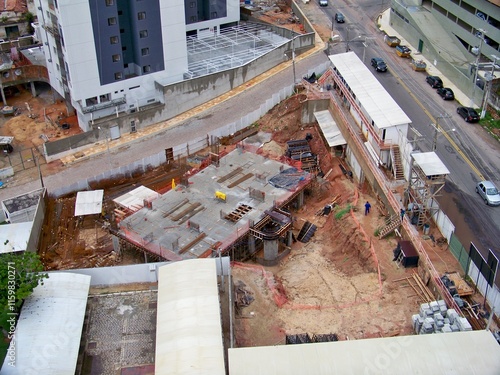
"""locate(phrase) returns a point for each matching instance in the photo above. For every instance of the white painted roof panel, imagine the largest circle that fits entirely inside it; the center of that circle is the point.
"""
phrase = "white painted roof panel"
(329, 127)
(49, 329)
(430, 163)
(15, 237)
(134, 199)
(188, 324)
(89, 202)
(458, 353)
(374, 99)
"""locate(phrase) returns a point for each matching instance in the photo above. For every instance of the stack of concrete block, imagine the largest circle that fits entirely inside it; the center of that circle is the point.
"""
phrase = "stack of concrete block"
(463, 324)
(434, 317)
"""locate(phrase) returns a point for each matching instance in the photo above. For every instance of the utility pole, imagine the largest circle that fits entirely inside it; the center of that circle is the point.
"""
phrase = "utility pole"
(489, 83)
(437, 130)
(481, 39)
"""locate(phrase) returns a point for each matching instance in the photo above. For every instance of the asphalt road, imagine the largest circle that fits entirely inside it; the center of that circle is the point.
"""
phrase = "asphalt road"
(468, 152)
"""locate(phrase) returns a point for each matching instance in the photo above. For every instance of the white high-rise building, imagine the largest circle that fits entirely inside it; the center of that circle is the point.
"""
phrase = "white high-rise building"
(106, 57)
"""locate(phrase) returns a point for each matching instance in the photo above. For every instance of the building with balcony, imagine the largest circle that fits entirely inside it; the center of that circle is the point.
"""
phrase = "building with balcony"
(456, 36)
(123, 65)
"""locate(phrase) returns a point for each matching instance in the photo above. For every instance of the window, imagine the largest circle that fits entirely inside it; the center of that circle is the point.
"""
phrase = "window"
(118, 76)
(146, 68)
(193, 18)
(143, 34)
(132, 126)
(120, 12)
(145, 51)
(122, 31)
(111, 21)
(141, 16)
(116, 58)
(110, 3)
(91, 101)
(124, 48)
(113, 40)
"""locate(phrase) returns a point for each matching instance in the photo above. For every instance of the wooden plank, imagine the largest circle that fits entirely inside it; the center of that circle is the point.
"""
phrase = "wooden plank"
(186, 211)
(201, 236)
(229, 175)
(240, 180)
(463, 289)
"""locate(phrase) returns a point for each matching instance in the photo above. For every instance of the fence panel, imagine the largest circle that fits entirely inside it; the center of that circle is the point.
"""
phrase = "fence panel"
(459, 251)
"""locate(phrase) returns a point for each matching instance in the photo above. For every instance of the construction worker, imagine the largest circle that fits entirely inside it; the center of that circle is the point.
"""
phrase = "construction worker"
(367, 208)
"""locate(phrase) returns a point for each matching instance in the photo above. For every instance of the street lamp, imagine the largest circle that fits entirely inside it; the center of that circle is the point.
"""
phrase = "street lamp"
(438, 130)
(489, 82)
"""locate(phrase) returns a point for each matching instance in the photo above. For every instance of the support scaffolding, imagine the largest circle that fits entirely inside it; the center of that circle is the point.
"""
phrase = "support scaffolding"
(427, 179)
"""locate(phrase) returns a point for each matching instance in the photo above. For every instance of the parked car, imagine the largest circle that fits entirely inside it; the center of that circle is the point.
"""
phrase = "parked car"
(446, 93)
(434, 81)
(339, 17)
(379, 64)
(489, 192)
(469, 114)
(323, 3)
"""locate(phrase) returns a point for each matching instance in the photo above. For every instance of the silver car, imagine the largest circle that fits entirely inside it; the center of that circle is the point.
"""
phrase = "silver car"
(489, 192)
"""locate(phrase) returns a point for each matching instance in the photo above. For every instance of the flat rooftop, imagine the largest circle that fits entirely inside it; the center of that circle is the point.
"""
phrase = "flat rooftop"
(190, 222)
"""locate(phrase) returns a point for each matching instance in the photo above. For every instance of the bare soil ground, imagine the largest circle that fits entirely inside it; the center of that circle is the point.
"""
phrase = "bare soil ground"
(331, 284)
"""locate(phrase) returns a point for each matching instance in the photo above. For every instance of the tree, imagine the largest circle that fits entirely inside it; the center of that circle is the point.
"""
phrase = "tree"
(29, 18)
(19, 275)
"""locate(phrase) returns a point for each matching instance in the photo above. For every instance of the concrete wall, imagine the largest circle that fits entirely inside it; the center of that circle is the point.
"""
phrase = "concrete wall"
(311, 106)
(135, 273)
(178, 98)
(36, 228)
(185, 95)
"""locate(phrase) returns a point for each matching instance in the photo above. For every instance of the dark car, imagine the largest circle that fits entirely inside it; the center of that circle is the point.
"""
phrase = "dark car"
(339, 17)
(434, 81)
(379, 64)
(469, 114)
(446, 93)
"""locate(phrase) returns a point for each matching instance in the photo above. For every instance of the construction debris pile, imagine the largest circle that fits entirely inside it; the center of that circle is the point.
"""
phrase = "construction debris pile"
(300, 151)
(435, 317)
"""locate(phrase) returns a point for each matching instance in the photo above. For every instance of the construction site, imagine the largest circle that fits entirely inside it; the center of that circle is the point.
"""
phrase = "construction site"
(307, 260)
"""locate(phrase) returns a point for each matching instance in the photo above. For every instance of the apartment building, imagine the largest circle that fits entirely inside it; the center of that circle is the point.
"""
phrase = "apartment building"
(456, 36)
(109, 57)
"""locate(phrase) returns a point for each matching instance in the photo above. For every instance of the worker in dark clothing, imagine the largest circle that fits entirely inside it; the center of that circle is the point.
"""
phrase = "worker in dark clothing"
(367, 208)
(402, 213)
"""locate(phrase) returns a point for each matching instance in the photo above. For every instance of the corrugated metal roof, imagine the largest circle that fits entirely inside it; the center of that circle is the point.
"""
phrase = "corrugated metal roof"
(377, 102)
(329, 128)
(474, 352)
(89, 202)
(15, 237)
(430, 163)
(50, 326)
(188, 323)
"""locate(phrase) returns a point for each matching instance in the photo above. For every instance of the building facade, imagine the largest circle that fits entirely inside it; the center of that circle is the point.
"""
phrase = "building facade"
(455, 36)
(106, 57)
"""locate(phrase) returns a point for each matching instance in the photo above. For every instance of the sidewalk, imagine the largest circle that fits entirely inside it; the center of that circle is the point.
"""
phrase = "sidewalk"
(384, 25)
(101, 147)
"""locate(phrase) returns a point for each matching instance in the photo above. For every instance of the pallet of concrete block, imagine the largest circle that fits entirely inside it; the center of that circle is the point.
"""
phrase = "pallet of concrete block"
(435, 317)
(463, 324)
